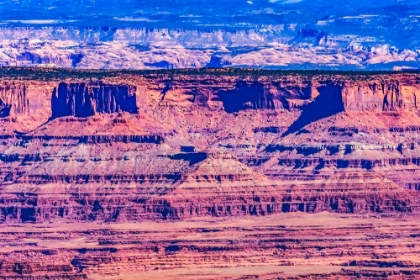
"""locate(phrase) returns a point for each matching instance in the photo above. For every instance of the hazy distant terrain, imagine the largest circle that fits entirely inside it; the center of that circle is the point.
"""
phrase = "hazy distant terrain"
(184, 33)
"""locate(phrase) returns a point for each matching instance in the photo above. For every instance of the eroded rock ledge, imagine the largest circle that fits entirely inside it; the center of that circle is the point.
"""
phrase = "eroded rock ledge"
(150, 146)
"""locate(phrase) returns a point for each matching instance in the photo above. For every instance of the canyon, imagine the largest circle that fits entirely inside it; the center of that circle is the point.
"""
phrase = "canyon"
(280, 46)
(209, 173)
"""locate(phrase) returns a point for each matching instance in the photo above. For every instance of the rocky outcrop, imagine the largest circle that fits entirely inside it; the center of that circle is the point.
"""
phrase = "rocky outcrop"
(232, 92)
(380, 96)
(13, 100)
(83, 100)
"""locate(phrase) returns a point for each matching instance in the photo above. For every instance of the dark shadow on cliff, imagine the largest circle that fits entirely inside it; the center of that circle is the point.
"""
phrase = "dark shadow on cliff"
(328, 102)
(4, 109)
(246, 96)
(84, 100)
(168, 87)
(192, 158)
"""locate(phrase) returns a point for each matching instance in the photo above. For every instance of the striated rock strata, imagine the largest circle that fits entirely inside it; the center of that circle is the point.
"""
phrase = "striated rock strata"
(177, 147)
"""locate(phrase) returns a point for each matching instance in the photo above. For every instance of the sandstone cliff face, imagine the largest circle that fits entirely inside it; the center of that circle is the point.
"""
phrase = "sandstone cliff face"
(82, 100)
(135, 147)
(233, 94)
(377, 93)
(381, 96)
(13, 100)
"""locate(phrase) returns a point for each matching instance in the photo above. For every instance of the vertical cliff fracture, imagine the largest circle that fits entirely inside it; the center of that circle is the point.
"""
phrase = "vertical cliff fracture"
(83, 100)
(13, 100)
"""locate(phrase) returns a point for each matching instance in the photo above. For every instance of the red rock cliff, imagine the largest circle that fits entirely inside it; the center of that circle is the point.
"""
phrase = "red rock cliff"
(300, 143)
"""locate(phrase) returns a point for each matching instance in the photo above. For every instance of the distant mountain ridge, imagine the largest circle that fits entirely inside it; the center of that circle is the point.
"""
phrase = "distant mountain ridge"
(300, 34)
(146, 48)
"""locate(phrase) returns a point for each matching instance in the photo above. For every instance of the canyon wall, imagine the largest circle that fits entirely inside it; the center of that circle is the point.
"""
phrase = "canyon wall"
(299, 143)
(284, 46)
(13, 100)
(217, 169)
(81, 100)
(349, 93)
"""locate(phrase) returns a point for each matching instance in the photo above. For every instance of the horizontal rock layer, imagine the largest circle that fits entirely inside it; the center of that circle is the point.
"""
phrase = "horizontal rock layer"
(285, 246)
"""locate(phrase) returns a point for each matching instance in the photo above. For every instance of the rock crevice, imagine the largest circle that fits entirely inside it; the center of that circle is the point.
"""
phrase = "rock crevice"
(83, 100)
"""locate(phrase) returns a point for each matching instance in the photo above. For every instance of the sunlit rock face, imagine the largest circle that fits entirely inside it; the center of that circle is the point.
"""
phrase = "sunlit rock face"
(206, 142)
(116, 173)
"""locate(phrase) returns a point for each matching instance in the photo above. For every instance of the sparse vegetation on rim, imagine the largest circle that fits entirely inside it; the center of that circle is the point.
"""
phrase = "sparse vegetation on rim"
(44, 73)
